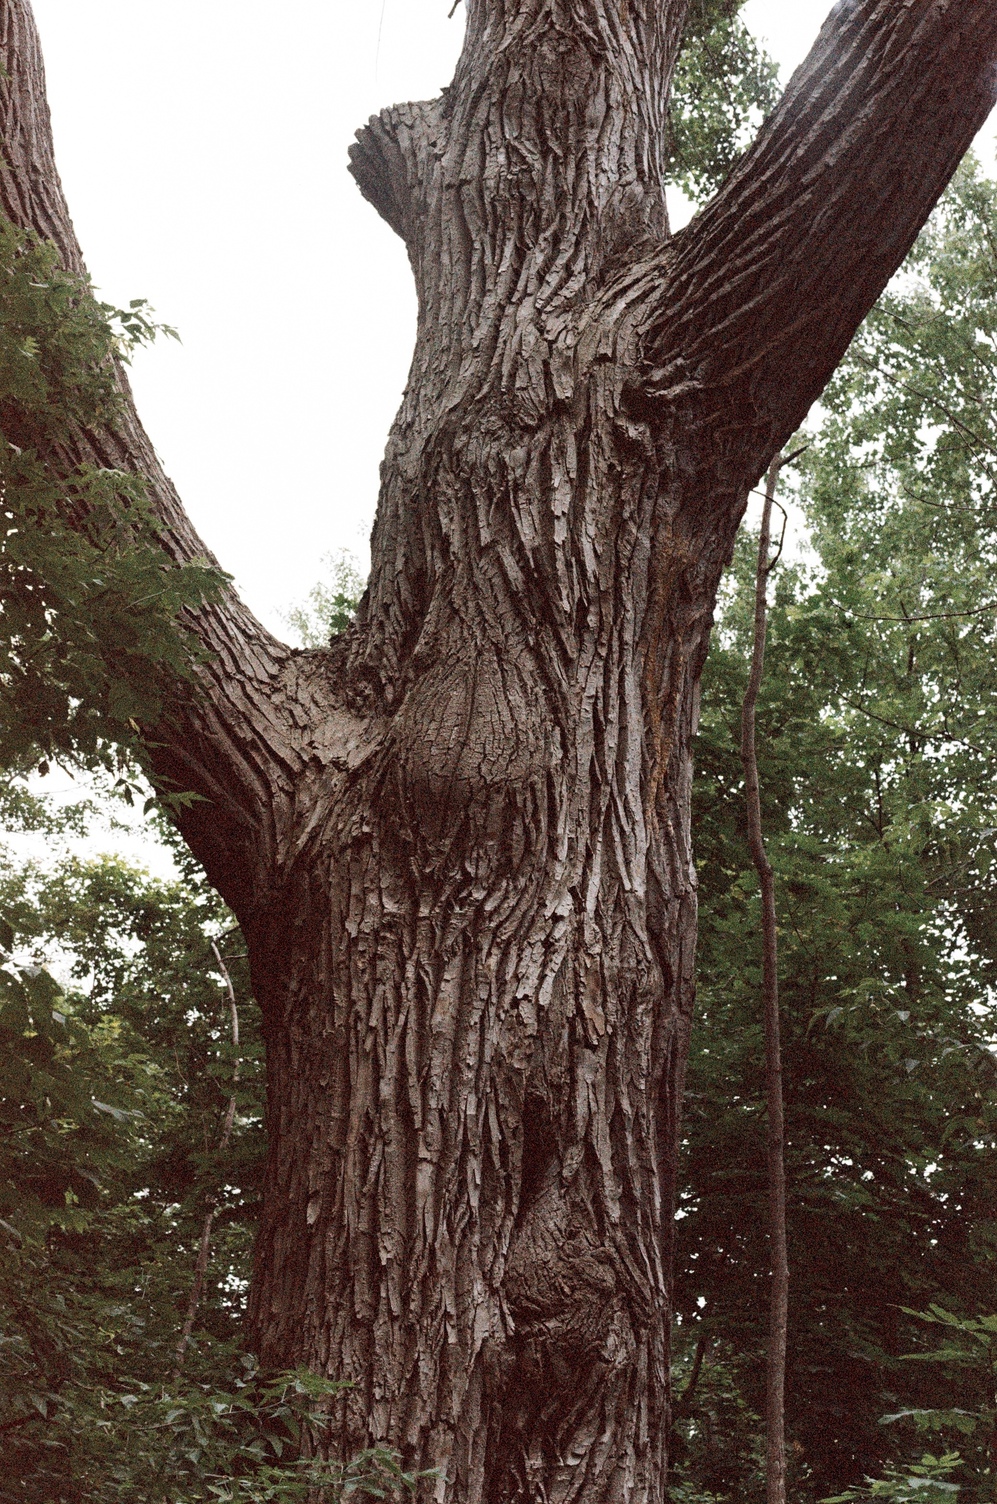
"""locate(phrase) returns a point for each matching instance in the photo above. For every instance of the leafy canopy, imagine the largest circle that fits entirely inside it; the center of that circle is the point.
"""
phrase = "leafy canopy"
(91, 630)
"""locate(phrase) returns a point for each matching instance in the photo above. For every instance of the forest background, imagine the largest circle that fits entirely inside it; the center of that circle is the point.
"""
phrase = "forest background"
(120, 1074)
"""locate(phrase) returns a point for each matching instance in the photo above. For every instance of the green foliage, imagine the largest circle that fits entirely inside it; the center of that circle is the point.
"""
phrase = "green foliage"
(113, 1083)
(47, 1067)
(57, 339)
(90, 605)
(878, 749)
(717, 1447)
(258, 1441)
(968, 1357)
(924, 1482)
(724, 86)
(331, 604)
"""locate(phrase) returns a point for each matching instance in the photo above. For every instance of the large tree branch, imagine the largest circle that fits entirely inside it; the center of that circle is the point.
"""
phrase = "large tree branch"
(232, 737)
(391, 161)
(769, 283)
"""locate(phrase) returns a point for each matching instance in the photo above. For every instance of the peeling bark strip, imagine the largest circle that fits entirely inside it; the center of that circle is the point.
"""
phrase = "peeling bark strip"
(458, 840)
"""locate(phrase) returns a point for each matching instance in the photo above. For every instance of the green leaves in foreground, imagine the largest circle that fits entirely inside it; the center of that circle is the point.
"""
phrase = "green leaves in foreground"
(53, 1130)
(260, 1441)
(924, 1482)
(113, 1084)
(969, 1347)
(90, 604)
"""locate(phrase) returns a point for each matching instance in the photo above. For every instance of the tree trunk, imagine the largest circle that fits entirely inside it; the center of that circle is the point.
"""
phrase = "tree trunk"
(775, 1387)
(458, 840)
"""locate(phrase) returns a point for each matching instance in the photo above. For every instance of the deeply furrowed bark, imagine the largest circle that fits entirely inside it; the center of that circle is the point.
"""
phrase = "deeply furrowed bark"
(458, 841)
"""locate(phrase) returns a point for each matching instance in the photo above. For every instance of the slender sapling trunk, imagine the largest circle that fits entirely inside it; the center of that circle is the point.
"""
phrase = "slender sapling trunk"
(779, 1306)
(204, 1248)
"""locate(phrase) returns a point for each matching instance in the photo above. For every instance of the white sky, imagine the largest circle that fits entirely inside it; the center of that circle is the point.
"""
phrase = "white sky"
(202, 144)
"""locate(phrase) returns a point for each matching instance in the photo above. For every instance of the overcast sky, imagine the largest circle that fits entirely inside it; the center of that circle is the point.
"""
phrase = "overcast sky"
(202, 144)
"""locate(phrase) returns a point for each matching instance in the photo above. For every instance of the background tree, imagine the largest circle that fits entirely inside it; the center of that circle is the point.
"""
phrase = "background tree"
(458, 841)
(878, 749)
(724, 86)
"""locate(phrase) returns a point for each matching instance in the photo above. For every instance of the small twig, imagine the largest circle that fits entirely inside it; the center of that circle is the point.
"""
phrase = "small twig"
(684, 1400)
(782, 463)
(790, 458)
(930, 616)
(770, 501)
(782, 541)
(204, 1250)
(938, 734)
(779, 1307)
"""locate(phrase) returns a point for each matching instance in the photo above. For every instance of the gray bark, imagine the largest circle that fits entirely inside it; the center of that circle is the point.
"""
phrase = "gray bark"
(458, 840)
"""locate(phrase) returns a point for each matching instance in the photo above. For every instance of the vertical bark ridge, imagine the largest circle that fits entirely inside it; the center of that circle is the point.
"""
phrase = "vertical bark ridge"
(544, 162)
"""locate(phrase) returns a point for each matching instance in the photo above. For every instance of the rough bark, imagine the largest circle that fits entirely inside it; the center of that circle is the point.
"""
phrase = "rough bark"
(458, 841)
